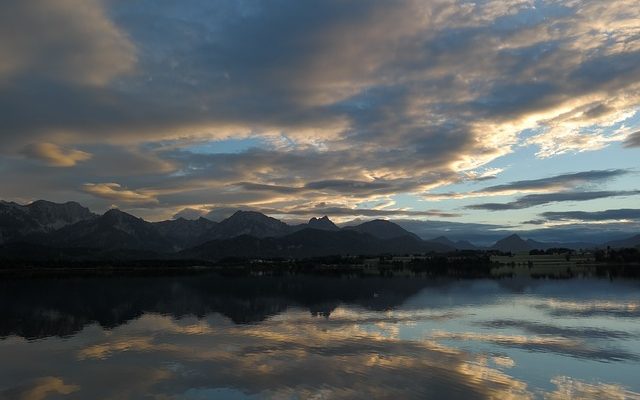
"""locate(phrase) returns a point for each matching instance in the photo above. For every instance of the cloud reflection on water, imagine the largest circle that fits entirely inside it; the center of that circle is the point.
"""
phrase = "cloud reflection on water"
(287, 357)
(589, 308)
(461, 340)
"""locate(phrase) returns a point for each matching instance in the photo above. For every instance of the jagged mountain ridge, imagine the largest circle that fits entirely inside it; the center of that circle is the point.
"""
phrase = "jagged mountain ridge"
(116, 230)
(17, 221)
(323, 223)
(113, 230)
(183, 233)
(70, 225)
(252, 223)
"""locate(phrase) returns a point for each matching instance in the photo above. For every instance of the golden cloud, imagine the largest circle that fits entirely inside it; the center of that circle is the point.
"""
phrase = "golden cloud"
(113, 191)
(54, 155)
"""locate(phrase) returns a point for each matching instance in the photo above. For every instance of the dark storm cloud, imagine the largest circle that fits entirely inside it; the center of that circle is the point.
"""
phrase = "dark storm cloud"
(537, 328)
(557, 181)
(633, 140)
(557, 185)
(593, 216)
(342, 186)
(532, 200)
(605, 71)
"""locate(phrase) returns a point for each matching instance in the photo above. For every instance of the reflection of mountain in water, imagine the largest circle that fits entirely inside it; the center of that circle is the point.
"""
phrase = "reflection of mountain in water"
(39, 308)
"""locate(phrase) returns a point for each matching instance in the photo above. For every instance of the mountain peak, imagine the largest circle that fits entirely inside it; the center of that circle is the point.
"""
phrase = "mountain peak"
(39, 203)
(51, 204)
(114, 211)
(117, 214)
(323, 223)
(253, 223)
(512, 242)
(53, 216)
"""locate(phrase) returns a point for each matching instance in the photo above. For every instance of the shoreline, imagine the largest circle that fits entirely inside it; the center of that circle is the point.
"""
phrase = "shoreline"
(470, 271)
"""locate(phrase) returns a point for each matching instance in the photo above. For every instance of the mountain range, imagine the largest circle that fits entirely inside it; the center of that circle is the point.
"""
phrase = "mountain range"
(17, 221)
(69, 229)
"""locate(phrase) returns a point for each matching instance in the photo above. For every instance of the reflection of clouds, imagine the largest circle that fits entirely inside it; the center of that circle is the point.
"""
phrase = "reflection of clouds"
(547, 343)
(590, 307)
(479, 372)
(282, 358)
(504, 339)
(139, 343)
(40, 389)
(187, 326)
(343, 315)
(547, 329)
(101, 351)
(504, 361)
(293, 355)
(568, 389)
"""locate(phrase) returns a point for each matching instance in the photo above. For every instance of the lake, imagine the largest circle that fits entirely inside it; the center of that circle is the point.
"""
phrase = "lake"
(208, 336)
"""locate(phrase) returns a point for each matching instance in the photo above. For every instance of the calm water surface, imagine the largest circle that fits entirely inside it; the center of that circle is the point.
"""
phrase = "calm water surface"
(306, 337)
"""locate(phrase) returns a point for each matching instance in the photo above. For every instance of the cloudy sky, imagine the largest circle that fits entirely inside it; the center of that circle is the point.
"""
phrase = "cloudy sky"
(515, 112)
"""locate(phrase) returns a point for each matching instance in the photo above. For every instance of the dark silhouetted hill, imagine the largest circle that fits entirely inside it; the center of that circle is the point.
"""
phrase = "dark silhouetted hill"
(381, 229)
(251, 223)
(184, 233)
(310, 243)
(459, 245)
(633, 241)
(512, 243)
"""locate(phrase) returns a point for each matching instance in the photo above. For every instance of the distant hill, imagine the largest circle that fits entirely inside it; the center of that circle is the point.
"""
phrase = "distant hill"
(459, 245)
(515, 243)
(482, 234)
(310, 243)
(444, 240)
(556, 245)
(466, 245)
(512, 243)
(633, 241)
(184, 233)
(382, 229)
(251, 223)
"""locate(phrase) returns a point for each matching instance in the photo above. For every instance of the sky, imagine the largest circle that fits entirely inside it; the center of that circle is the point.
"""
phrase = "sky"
(518, 113)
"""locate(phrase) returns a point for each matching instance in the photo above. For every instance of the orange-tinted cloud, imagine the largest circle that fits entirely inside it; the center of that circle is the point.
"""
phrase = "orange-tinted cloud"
(54, 155)
(115, 192)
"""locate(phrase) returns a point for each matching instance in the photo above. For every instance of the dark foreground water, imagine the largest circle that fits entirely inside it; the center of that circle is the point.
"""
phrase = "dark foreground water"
(310, 337)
